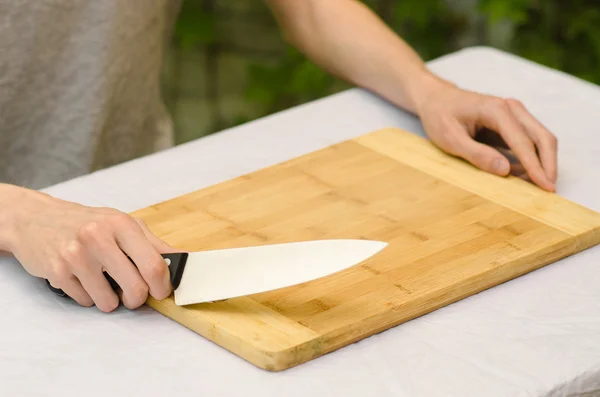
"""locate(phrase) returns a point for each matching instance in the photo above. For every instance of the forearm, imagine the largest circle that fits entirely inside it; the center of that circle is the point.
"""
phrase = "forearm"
(347, 39)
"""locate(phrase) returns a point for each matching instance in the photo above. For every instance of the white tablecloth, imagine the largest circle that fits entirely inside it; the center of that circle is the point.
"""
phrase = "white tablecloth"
(537, 335)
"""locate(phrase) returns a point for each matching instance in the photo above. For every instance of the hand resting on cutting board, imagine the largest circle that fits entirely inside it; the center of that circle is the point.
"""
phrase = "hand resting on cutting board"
(494, 134)
(71, 245)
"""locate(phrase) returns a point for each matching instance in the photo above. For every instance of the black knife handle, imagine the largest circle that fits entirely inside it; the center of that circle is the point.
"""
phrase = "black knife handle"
(177, 262)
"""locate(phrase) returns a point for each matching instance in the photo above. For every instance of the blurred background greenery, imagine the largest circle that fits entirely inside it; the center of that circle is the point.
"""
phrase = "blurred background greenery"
(228, 63)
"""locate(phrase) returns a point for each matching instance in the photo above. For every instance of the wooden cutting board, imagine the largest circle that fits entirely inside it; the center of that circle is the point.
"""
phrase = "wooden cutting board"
(452, 230)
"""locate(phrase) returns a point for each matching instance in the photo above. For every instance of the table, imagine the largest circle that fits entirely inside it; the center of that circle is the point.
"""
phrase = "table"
(538, 335)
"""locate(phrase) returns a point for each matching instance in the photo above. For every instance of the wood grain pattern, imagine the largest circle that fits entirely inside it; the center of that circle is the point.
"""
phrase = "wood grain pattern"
(452, 230)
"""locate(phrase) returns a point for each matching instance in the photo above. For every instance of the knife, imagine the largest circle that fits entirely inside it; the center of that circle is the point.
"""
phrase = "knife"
(213, 275)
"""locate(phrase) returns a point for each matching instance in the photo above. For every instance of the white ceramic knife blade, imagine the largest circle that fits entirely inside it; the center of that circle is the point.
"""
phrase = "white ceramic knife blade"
(227, 273)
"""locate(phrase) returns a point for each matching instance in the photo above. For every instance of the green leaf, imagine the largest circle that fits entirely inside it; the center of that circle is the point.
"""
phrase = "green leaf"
(194, 26)
(418, 12)
(512, 10)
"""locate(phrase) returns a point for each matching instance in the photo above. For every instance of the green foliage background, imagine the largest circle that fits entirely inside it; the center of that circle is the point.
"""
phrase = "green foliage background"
(561, 34)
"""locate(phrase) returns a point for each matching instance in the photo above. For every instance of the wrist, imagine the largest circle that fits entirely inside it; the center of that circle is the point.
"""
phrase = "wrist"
(13, 201)
(423, 87)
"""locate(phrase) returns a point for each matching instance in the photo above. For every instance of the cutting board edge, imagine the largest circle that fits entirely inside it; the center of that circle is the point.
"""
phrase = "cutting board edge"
(588, 239)
(272, 360)
(526, 188)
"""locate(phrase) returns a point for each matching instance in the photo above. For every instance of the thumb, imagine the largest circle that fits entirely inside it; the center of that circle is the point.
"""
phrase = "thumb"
(480, 155)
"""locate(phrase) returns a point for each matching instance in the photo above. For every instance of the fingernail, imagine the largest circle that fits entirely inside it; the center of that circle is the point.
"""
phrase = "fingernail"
(501, 166)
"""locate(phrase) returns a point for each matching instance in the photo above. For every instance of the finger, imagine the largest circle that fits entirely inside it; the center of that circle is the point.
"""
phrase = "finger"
(134, 290)
(544, 140)
(99, 289)
(516, 168)
(151, 265)
(90, 276)
(101, 244)
(460, 144)
(73, 288)
(498, 116)
(159, 244)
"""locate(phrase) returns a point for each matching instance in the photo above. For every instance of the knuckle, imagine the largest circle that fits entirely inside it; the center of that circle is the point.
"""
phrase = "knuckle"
(120, 219)
(501, 105)
(90, 231)
(72, 251)
(157, 270)
(533, 141)
(515, 103)
(496, 105)
(58, 273)
(137, 295)
(530, 141)
(448, 140)
(447, 135)
(139, 291)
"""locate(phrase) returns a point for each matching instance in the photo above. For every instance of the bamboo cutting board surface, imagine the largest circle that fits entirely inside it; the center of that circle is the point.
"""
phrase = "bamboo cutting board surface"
(452, 230)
